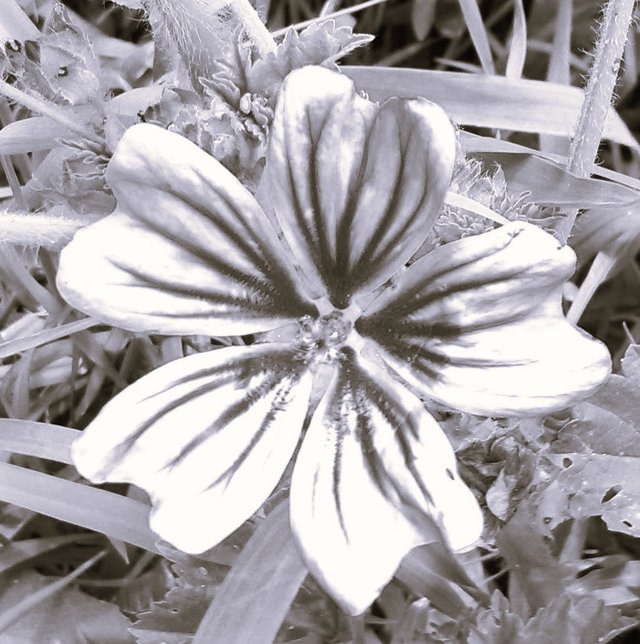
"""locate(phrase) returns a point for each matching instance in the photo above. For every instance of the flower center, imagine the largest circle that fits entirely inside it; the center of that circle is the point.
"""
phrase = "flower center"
(322, 338)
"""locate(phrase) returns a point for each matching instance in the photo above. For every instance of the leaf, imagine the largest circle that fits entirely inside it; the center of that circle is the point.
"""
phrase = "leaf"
(540, 576)
(631, 363)
(595, 485)
(423, 13)
(15, 24)
(595, 429)
(478, 33)
(18, 552)
(255, 597)
(549, 183)
(572, 620)
(69, 616)
(489, 101)
(480, 144)
(518, 44)
(599, 453)
(37, 439)
(615, 581)
(111, 514)
(496, 624)
(322, 43)
(176, 617)
(173, 620)
(17, 345)
(432, 572)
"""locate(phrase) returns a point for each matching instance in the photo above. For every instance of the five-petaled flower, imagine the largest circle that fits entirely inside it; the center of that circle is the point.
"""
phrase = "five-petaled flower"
(348, 337)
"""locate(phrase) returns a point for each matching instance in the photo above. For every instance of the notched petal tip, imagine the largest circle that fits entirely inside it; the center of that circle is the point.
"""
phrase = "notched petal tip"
(207, 436)
(355, 185)
(188, 250)
(375, 477)
(478, 325)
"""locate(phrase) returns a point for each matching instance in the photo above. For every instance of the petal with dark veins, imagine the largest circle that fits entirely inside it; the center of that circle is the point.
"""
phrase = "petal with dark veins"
(187, 251)
(375, 477)
(477, 324)
(207, 436)
(355, 186)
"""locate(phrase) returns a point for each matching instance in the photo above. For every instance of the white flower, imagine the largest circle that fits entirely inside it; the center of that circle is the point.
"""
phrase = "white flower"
(350, 191)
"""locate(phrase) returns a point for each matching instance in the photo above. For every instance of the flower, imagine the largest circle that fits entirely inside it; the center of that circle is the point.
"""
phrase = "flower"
(348, 336)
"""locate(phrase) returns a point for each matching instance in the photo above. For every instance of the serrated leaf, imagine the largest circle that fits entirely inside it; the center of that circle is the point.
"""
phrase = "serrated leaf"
(321, 43)
(572, 620)
(173, 620)
(598, 452)
(496, 624)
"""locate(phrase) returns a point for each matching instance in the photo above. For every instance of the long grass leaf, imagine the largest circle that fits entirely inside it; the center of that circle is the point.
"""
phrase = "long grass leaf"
(474, 143)
(11, 615)
(19, 552)
(478, 33)
(15, 24)
(489, 101)
(31, 135)
(518, 44)
(43, 440)
(111, 514)
(255, 597)
(18, 345)
(559, 69)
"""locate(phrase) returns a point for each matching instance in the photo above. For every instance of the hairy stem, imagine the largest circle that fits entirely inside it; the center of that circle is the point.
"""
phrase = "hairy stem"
(254, 27)
(603, 75)
(46, 108)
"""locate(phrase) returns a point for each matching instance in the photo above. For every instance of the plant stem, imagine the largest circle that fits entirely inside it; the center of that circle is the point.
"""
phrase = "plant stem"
(254, 27)
(46, 108)
(334, 14)
(603, 75)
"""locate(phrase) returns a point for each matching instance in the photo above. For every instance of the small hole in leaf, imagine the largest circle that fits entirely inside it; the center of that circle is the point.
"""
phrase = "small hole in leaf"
(567, 462)
(611, 492)
(546, 520)
(628, 523)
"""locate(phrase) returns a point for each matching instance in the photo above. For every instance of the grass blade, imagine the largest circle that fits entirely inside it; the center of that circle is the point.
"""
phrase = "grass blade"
(8, 617)
(489, 101)
(255, 597)
(478, 33)
(111, 514)
(43, 440)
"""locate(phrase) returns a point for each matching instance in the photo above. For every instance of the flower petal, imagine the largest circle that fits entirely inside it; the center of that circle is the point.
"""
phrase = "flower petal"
(374, 477)
(187, 251)
(477, 324)
(355, 186)
(207, 436)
